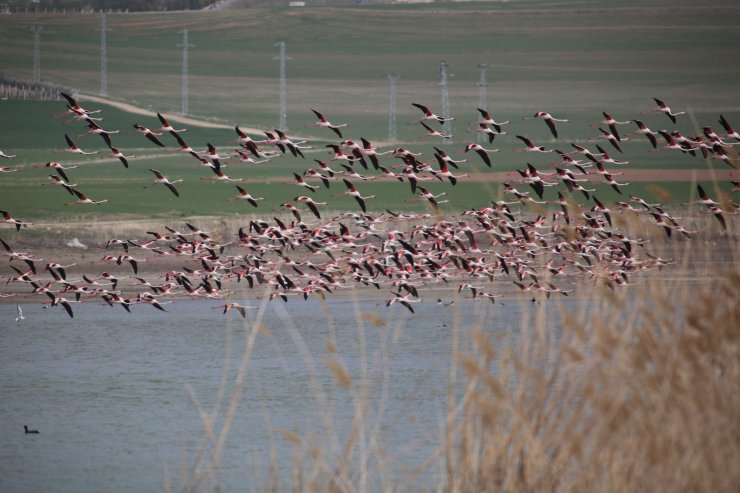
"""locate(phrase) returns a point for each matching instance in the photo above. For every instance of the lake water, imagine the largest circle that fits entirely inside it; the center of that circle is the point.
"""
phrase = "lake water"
(109, 391)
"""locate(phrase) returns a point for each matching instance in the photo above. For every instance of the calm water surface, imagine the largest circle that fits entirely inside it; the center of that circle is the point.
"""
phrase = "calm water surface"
(108, 390)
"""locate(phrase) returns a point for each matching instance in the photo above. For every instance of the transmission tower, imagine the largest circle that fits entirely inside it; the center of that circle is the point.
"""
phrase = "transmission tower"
(103, 54)
(37, 52)
(392, 106)
(283, 111)
(185, 48)
(447, 125)
(482, 94)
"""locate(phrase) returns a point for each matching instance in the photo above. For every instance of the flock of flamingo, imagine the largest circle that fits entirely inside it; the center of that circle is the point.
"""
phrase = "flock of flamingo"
(403, 253)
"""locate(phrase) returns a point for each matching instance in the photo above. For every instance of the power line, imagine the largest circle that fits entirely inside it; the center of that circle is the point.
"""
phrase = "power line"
(283, 110)
(37, 52)
(103, 54)
(185, 48)
(482, 94)
(447, 125)
(392, 106)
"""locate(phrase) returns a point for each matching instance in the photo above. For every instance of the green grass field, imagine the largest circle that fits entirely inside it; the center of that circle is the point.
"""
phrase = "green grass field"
(572, 59)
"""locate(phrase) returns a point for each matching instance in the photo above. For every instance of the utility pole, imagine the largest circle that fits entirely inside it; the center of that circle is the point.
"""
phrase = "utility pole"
(283, 111)
(447, 125)
(482, 94)
(37, 52)
(392, 106)
(185, 46)
(103, 54)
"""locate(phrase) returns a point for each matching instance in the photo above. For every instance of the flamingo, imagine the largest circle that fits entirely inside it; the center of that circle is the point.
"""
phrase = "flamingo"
(431, 198)
(428, 115)
(83, 199)
(549, 120)
(530, 146)
(663, 108)
(311, 204)
(644, 130)
(443, 158)
(433, 133)
(74, 149)
(152, 136)
(166, 127)
(604, 135)
(8, 219)
(220, 175)
(7, 156)
(315, 174)
(445, 172)
(7, 169)
(483, 128)
(405, 300)
(323, 122)
(301, 182)
(487, 119)
(339, 155)
(160, 178)
(94, 128)
(58, 167)
(118, 154)
(481, 151)
(726, 125)
(235, 306)
(613, 183)
(244, 195)
(721, 155)
(294, 147)
(352, 191)
(57, 180)
(184, 147)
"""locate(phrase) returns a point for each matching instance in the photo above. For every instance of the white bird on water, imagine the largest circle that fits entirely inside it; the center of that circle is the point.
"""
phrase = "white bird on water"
(20, 313)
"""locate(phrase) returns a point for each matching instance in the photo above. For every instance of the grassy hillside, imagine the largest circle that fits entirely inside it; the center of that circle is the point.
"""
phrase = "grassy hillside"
(572, 59)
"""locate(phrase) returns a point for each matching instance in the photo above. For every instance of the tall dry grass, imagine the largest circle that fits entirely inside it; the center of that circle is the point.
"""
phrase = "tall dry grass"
(636, 392)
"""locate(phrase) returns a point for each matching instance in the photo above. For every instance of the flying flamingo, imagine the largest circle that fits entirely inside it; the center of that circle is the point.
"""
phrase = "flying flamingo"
(663, 108)
(118, 154)
(160, 178)
(428, 115)
(244, 195)
(166, 127)
(58, 167)
(57, 180)
(8, 219)
(235, 306)
(487, 119)
(352, 191)
(482, 152)
(611, 123)
(152, 136)
(604, 135)
(433, 133)
(311, 204)
(550, 120)
(323, 122)
(301, 182)
(94, 128)
(644, 130)
(220, 175)
(73, 148)
(730, 132)
(82, 199)
(530, 146)
(483, 128)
